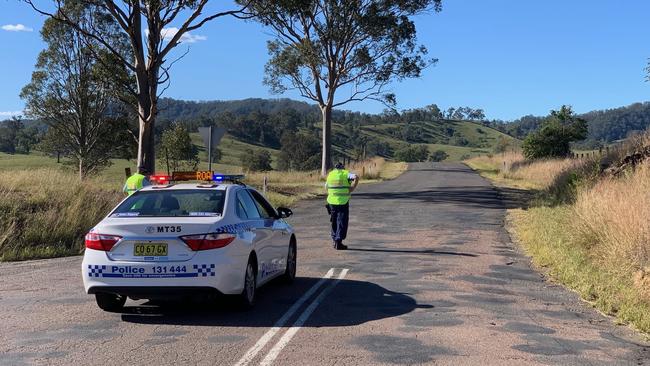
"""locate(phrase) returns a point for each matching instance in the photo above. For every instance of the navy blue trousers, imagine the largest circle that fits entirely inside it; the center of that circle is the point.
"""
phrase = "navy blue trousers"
(339, 218)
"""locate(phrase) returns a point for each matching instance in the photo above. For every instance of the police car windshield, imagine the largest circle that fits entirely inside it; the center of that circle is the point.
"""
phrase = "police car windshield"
(172, 203)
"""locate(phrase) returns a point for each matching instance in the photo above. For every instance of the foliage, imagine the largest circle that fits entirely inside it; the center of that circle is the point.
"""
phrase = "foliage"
(605, 126)
(299, 151)
(321, 46)
(412, 153)
(554, 138)
(15, 137)
(66, 92)
(256, 160)
(150, 39)
(438, 155)
(177, 149)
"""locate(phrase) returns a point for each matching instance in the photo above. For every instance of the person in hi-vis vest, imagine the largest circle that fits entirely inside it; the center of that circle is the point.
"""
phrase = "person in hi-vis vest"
(136, 181)
(340, 183)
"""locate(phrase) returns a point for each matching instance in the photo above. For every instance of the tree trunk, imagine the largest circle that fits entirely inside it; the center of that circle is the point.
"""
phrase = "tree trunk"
(146, 122)
(146, 150)
(327, 140)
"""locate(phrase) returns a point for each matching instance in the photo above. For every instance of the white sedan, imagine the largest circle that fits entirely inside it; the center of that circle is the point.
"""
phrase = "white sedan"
(188, 239)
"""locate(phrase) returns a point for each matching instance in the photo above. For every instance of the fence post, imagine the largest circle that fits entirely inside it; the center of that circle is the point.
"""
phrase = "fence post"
(265, 184)
(127, 172)
(363, 172)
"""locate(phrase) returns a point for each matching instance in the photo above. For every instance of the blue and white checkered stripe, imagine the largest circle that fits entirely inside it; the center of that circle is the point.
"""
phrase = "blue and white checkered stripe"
(205, 270)
(95, 270)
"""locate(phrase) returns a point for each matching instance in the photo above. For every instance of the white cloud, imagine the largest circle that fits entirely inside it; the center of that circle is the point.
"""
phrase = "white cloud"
(169, 33)
(16, 28)
(10, 114)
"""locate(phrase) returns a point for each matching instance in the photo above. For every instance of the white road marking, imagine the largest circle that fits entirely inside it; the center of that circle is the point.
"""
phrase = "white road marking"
(253, 351)
(286, 338)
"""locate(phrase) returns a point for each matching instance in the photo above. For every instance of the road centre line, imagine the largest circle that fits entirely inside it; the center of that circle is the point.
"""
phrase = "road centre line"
(253, 351)
(286, 338)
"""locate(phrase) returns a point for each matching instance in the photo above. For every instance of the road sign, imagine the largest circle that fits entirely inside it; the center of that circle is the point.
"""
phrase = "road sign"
(211, 137)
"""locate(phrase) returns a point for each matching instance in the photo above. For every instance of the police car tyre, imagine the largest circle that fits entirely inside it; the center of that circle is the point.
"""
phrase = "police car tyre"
(292, 260)
(110, 302)
(249, 293)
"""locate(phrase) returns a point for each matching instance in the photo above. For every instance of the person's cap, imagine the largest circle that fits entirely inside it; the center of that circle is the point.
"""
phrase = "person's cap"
(142, 169)
(339, 165)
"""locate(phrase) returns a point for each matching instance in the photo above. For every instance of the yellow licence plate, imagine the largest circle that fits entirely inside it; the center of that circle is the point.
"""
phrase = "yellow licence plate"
(150, 249)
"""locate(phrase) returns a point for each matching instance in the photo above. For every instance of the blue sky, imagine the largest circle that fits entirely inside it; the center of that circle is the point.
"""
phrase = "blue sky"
(509, 57)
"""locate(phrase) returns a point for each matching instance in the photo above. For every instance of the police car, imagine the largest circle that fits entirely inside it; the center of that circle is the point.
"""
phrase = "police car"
(169, 239)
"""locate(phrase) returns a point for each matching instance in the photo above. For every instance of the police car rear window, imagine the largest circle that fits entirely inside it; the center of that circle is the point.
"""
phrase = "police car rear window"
(172, 203)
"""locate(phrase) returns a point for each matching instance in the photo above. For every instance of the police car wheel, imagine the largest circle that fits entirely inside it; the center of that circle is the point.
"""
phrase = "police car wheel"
(110, 302)
(248, 295)
(292, 260)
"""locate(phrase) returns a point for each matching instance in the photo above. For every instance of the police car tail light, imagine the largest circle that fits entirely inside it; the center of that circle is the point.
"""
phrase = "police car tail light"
(101, 241)
(208, 241)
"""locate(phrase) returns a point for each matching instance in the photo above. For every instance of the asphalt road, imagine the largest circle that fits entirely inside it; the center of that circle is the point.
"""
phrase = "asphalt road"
(431, 278)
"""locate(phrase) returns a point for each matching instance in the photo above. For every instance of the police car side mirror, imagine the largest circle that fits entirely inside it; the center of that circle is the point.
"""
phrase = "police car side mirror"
(284, 212)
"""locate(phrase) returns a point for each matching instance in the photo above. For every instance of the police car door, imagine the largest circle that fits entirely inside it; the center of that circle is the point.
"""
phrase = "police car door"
(262, 242)
(280, 238)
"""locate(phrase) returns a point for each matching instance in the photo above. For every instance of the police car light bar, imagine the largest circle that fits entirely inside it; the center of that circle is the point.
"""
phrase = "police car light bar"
(206, 176)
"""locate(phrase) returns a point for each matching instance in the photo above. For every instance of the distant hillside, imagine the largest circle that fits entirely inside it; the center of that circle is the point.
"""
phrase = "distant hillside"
(172, 109)
(605, 126)
(262, 122)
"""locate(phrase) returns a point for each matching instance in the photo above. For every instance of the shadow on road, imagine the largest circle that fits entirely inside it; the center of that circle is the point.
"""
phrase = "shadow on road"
(351, 303)
(483, 197)
(413, 251)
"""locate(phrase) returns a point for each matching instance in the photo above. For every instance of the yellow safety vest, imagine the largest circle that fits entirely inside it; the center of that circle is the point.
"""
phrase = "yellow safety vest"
(134, 183)
(338, 187)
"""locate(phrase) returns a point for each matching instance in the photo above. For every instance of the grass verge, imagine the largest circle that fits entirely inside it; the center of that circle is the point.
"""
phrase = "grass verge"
(586, 231)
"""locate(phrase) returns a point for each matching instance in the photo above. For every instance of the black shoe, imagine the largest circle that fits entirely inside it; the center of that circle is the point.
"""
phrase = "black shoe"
(341, 246)
(335, 245)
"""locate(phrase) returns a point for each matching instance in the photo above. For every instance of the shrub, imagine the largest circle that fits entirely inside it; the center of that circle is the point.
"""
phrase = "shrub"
(553, 139)
(412, 153)
(438, 155)
(256, 160)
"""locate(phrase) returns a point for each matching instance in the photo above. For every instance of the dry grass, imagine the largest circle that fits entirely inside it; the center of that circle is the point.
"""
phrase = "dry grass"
(612, 217)
(45, 212)
(512, 169)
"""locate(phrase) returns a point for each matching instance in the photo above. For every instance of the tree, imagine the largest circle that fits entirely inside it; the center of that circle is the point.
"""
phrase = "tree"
(322, 46)
(413, 153)
(553, 139)
(50, 145)
(438, 156)
(256, 160)
(151, 38)
(68, 95)
(299, 151)
(12, 136)
(177, 149)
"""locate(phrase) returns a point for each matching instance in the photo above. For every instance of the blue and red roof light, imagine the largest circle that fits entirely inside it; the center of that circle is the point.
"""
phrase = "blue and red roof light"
(206, 176)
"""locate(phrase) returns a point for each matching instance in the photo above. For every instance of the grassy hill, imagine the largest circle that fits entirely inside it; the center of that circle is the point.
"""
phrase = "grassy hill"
(480, 137)
(440, 135)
